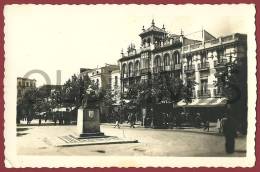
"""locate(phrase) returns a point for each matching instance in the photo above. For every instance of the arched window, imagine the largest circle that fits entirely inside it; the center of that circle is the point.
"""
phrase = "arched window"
(157, 61)
(98, 83)
(124, 70)
(166, 60)
(176, 57)
(130, 69)
(137, 66)
(189, 60)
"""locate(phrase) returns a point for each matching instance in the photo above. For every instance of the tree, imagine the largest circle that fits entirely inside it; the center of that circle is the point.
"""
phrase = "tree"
(233, 83)
(26, 106)
(163, 87)
(74, 91)
(187, 91)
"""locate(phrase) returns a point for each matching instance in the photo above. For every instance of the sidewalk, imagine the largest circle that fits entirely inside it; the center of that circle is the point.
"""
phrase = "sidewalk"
(212, 130)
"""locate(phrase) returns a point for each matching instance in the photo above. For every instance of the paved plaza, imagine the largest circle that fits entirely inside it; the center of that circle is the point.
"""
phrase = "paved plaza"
(40, 140)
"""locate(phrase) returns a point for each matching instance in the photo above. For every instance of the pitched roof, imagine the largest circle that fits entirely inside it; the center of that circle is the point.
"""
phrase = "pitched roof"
(153, 28)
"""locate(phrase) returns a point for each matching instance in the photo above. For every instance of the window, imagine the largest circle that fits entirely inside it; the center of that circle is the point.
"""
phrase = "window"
(116, 81)
(98, 83)
(204, 85)
(177, 58)
(19, 93)
(110, 82)
(130, 69)
(220, 55)
(166, 60)
(157, 61)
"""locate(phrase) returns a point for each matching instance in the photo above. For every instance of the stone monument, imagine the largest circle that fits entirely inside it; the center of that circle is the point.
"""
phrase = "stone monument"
(88, 124)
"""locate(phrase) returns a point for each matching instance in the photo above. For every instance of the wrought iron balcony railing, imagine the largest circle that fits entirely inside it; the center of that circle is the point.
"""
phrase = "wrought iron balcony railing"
(157, 69)
(131, 74)
(203, 66)
(177, 66)
(190, 68)
(137, 72)
(145, 71)
(218, 92)
(220, 63)
(204, 93)
(167, 68)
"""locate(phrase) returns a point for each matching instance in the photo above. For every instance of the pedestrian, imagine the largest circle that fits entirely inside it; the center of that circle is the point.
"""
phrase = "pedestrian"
(229, 130)
(117, 121)
(40, 119)
(132, 120)
(218, 125)
(198, 120)
(206, 125)
(128, 117)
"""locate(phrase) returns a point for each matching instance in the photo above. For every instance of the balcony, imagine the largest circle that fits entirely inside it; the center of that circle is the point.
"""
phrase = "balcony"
(168, 43)
(124, 75)
(191, 77)
(189, 69)
(220, 63)
(177, 67)
(193, 96)
(218, 92)
(167, 68)
(157, 69)
(131, 74)
(203, 66)
(145, 71)
(204, 93)
(137, 72)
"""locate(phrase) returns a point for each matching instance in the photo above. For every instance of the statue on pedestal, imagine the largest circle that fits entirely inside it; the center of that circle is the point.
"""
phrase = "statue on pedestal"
(88, 122)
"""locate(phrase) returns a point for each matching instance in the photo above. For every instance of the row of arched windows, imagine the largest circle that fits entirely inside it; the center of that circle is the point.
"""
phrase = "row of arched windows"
(130, 68)
(167, 60)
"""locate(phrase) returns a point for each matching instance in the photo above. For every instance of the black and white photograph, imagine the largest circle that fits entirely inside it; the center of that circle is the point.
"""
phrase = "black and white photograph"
(130, 85)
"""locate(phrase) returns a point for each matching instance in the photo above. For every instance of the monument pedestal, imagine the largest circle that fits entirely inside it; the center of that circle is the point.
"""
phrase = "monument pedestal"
(88, 124)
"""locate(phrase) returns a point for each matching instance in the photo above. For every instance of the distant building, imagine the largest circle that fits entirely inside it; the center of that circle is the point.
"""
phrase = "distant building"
(101, 75)
(115, 77)
(23, 84)
(49, 89)
(116, 85)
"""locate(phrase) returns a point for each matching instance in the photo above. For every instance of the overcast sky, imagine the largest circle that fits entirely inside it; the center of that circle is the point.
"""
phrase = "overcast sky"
(66, 37)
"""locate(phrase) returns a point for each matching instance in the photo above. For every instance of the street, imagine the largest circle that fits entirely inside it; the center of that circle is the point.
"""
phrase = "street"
(38, 140)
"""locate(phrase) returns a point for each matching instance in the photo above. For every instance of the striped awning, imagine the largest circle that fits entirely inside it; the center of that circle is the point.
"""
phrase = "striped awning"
(207, 102)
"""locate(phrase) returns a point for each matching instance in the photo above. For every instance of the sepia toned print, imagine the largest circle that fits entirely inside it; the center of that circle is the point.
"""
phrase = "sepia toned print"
(130, 87)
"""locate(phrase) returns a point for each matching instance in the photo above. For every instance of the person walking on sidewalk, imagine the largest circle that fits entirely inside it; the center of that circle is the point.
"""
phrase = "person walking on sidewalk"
(229, 130)
(218, 125)
(117, 121)
(206, 125)
(132, 120)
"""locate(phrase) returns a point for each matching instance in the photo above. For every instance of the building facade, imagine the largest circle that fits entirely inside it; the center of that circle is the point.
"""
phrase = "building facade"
(23, 84)
(102, 76)
(200, 60)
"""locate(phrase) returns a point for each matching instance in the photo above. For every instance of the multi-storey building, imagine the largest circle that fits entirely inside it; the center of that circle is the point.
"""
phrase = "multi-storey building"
(23, 84)
(116, 85)
(102, 76)
(200, 60)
